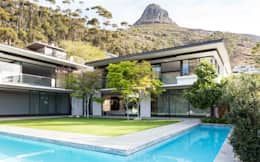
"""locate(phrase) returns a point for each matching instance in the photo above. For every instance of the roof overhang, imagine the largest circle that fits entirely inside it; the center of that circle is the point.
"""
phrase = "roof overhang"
(40, 57)
(38, 45)
(217, 45)
(11, 86)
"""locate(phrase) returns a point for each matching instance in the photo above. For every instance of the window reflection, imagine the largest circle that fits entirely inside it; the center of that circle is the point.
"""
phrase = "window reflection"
(9, 71)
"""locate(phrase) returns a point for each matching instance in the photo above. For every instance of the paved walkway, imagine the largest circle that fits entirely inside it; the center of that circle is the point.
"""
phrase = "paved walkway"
(122, 145)
(226, 153)
(29, 117)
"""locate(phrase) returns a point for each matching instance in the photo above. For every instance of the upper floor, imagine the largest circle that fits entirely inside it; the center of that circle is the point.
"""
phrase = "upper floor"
(176, 66)
(34, 69)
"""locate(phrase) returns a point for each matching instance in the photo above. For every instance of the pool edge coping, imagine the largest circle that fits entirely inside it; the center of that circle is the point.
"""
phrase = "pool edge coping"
(105, 149)
(226, 152)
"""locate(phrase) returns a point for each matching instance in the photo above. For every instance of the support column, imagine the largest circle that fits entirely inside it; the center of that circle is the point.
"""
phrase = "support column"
(145, 107)
(77, 107)
(96, 106)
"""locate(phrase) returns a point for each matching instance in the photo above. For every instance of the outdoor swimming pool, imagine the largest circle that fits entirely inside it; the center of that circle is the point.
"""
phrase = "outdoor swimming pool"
(199, 144)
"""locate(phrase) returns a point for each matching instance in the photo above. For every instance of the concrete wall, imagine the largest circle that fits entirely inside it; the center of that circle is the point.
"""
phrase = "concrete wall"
(97, 107)
(145, 107)
(14, 103)
(76, 105)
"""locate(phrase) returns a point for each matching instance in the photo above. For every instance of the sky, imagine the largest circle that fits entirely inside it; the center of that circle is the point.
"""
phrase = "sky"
(239, 16)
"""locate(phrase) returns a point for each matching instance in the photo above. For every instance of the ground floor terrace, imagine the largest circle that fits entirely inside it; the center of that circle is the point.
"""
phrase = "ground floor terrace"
(170, 103)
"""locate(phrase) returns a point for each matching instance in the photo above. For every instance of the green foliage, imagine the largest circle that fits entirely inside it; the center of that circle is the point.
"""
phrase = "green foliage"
(205, 92)
(8, 35)
(243, 92)
(83, 50)
(215, 120)
(84, 85)
(133, 80)
(256, 54)
(55, 24)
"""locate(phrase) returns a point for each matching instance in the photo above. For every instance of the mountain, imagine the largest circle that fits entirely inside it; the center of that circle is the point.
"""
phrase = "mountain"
(23, 22)
(155, 30)
(152, 14)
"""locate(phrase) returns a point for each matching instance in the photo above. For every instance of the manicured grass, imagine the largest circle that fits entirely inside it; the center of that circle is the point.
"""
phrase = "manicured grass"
(102, 127)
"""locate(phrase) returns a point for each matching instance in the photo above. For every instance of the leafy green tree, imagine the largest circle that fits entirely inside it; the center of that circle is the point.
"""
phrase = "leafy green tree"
(243, 95)
(205, 92)
(4, 16)
(146, 82)
(256, 54)
(8, 35)
(132, 80)
(84, 85)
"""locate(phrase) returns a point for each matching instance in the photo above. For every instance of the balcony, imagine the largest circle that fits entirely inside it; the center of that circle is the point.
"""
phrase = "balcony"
(28, 79)
(186, 80)
(182, 81)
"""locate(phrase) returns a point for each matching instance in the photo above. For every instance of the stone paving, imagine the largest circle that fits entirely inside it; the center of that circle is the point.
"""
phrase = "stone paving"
(226, 153)
(29, 117)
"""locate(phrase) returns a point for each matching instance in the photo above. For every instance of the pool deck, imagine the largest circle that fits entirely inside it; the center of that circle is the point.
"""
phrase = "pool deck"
(120, 145)
(226, 153)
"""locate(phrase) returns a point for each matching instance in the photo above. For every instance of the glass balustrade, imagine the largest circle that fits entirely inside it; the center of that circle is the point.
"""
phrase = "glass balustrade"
(28, 79)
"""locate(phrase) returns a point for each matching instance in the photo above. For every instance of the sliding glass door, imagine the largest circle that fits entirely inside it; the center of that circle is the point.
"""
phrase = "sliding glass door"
(173, 103)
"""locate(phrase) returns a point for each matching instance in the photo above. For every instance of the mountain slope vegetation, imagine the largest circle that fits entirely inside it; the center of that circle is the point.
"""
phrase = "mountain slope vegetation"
(22, 22)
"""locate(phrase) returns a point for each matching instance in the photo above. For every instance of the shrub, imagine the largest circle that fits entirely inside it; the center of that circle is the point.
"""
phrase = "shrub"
(243, 92)
(215, 120)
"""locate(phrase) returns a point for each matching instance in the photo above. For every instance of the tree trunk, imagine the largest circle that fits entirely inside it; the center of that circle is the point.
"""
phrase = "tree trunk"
(87, 106)
(212, 112)
(83, 106)
(138, 109)
(126, 105)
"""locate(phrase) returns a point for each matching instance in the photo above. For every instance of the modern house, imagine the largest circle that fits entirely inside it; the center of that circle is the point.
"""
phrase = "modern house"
(32, 80)
(175, 67)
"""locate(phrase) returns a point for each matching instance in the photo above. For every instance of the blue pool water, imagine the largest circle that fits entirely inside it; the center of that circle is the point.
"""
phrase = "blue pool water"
(199, 144)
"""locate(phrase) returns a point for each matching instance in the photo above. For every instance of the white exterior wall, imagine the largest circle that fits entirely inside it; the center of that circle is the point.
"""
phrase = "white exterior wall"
(145, 107)
(76, 105)
(97, 107)
(186, 80)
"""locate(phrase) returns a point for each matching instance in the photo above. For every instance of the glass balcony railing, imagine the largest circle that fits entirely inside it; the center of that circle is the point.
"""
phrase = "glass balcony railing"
(28, 79)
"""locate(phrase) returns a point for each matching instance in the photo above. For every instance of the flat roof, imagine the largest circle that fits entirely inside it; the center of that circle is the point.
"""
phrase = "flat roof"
(39, 57)
(38, 45)
(13, 86)
(217, 45)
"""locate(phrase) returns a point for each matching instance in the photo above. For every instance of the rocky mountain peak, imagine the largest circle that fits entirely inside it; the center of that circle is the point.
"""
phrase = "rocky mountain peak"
(154, 14)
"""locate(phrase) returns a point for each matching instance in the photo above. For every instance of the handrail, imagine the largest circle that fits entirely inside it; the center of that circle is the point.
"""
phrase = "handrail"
(29, 79)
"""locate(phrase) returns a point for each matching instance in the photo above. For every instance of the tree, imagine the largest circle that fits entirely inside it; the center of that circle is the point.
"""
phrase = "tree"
(205, 92)
(4, 16)
(243, 94)
(146, 83)
(84, 85)
(256, 54)
(8, 35)
(83, 50)
(132, 80)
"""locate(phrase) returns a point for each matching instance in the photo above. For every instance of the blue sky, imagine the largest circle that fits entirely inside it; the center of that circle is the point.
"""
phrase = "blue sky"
(240, 16)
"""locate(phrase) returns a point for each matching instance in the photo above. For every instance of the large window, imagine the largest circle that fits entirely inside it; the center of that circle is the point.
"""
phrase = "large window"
(170, 77)
(157, 71)
(9, 72)
(173, 103)
(189, 66)
(170, 71)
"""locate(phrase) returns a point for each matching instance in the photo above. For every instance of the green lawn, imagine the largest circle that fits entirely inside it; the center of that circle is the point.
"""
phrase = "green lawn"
(102, 127)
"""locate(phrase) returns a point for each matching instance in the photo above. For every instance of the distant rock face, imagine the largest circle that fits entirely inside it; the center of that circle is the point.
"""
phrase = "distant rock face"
(154, 14)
